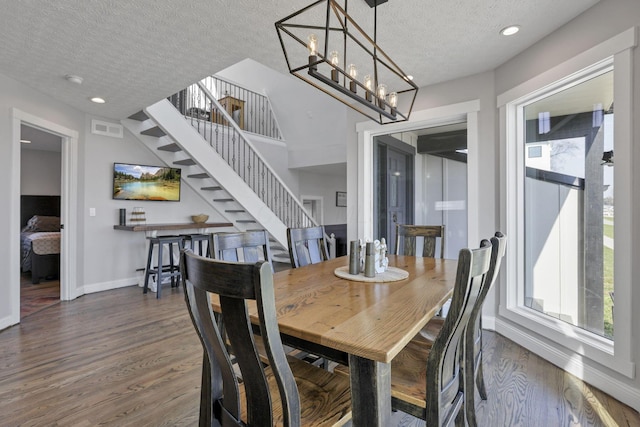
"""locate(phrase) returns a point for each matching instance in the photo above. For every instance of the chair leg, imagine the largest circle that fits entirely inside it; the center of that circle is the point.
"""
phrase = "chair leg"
(146, 271)
(159, 276)
(171, 267)
(480, 379)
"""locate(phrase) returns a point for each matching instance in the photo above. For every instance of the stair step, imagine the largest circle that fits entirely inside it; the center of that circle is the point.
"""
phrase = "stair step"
(235, 210)
(185, 162)
(224, 200)
(213, 188)
(140, 116)
(173, 147)
(246, 221)
(198, 175)
(154, 131)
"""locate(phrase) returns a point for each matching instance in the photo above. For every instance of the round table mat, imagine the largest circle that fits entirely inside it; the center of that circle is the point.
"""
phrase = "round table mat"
(392, 274)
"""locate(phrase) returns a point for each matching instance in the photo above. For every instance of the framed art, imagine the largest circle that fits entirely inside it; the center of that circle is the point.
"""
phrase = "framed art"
(341, 198)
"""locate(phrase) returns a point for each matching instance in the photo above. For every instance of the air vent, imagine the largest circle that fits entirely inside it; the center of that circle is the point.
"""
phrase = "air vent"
(99, 127)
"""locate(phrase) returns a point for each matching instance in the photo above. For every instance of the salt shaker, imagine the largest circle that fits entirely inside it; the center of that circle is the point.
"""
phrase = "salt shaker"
(354, 258)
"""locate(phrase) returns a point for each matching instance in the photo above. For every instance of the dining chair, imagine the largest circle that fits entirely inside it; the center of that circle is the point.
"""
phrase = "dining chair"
(427, 379)
(247, 246)
(288, 391)
(307, 246)
(406, 239)
(473, 335)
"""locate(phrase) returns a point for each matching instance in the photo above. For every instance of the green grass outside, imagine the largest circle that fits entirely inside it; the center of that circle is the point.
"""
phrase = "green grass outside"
(608, 287)
(608, 230)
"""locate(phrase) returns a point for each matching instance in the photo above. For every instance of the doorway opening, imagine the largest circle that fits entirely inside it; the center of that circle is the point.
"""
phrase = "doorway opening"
(40, 189)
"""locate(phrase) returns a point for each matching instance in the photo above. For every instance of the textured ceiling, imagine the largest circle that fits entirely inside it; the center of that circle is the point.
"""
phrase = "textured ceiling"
(133, 53)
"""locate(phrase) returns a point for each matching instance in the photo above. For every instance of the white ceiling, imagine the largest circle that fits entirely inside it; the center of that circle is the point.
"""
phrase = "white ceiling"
(134, 53)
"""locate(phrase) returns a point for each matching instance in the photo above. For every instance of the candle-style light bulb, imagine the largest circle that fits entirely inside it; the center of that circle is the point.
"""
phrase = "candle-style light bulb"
(368, 84)
(381, 92)
(393, 101)
(312, 45)
(334, 58)
(353, 73)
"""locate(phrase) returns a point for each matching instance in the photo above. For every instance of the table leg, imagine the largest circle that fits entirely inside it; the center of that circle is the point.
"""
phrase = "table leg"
(370, 392)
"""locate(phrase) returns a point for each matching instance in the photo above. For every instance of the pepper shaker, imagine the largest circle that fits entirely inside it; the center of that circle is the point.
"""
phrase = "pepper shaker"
(370, 261)
(354, 257)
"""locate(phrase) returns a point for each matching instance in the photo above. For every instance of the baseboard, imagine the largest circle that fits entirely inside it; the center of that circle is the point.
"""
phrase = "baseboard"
(6, 322)
(106, 286)
(572, 364)
(489, 322)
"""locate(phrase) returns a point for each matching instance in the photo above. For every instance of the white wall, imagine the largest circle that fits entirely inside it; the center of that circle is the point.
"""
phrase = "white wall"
(325, 186)
(106, 258)
(598, 24)
(40, 173)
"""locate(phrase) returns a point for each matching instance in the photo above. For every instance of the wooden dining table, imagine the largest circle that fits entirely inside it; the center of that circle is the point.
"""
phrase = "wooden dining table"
(364, 324)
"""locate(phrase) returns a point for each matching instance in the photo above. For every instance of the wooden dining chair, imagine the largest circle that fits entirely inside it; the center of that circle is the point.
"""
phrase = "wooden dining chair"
(288, 391)
(247, 246)
(307, 246)
(427, 380)
(407, 237)
(473, 335)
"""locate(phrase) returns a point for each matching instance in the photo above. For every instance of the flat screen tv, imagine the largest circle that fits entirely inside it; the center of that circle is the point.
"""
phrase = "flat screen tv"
(142, 182)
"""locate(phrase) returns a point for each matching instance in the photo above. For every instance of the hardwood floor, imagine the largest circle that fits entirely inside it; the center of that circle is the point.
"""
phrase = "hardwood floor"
(35, 297)
(123, 358)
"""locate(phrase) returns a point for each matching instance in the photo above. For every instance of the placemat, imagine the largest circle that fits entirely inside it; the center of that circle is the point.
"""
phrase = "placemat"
(392, 274)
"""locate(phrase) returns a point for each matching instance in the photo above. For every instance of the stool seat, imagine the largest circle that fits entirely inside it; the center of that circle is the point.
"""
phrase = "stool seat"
(172, 269)
(198, 238)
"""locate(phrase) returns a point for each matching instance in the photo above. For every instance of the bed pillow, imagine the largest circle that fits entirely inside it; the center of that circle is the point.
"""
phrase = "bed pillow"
(43, 223)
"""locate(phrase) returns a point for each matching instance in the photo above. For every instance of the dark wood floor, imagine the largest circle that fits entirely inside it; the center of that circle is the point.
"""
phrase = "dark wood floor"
(123, 358)
(35, 297)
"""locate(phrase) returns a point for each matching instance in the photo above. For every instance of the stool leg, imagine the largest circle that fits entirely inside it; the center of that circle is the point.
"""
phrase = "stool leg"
(146, 271)
(171, 266)
(159, 283)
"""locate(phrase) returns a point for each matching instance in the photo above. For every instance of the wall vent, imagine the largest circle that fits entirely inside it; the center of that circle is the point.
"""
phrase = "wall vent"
(99, 127)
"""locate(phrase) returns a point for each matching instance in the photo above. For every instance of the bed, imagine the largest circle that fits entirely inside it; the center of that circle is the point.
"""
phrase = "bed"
(40, 237)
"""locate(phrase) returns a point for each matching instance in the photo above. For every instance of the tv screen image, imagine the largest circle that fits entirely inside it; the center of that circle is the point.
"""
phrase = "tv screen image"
(142, 182)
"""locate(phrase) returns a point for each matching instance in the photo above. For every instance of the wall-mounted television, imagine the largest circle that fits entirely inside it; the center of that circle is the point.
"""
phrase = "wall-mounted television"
(143, 182)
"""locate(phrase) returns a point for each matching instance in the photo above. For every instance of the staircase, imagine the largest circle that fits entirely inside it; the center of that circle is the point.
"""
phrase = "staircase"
(219, 163)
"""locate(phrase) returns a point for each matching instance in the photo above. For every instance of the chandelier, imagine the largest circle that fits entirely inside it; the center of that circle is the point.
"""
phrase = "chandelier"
(326, 48)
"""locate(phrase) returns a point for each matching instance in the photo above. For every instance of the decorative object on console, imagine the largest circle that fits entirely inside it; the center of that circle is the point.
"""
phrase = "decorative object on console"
(138, 216)
(200, 218)
(334, 56)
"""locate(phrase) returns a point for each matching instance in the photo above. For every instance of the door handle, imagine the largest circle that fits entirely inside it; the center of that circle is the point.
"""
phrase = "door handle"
(394, 218)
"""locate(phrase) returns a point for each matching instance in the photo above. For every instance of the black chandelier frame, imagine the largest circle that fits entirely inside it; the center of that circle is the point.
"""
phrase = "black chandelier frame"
(376, 108)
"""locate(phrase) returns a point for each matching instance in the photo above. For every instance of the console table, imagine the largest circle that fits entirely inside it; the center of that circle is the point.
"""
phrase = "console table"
(176, 226)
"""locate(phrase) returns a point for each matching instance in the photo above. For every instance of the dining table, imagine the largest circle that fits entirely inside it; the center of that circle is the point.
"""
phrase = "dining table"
(364, 324)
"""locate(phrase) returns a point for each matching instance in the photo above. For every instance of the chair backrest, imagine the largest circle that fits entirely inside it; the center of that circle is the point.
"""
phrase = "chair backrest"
(307, 246)
(445, 384)
(498, 248)
(235, 284)
(406, 239)
(248, 246)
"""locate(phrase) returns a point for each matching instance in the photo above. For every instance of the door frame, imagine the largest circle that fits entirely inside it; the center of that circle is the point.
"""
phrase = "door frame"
(360, 179)
(68, 205)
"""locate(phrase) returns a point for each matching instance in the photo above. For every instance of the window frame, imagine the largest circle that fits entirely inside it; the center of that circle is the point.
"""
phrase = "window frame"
(613, 54)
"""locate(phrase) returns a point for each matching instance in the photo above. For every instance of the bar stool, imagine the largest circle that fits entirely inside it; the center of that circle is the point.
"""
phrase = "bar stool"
(172, 269)
(192, 239)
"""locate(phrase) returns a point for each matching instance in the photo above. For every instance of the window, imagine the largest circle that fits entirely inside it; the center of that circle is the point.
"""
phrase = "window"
(568, 254)
(564, 191)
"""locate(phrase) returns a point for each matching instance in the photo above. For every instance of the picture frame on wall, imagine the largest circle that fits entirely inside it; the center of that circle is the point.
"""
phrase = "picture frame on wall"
(341, 198)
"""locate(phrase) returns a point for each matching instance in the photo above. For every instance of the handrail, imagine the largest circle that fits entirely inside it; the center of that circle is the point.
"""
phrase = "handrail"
(258, 116)
(224, 135)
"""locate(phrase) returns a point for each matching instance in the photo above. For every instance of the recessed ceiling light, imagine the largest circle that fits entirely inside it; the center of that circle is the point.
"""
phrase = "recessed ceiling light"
(25, 141)
(510, 30)
(98, 100)
(74, 79)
